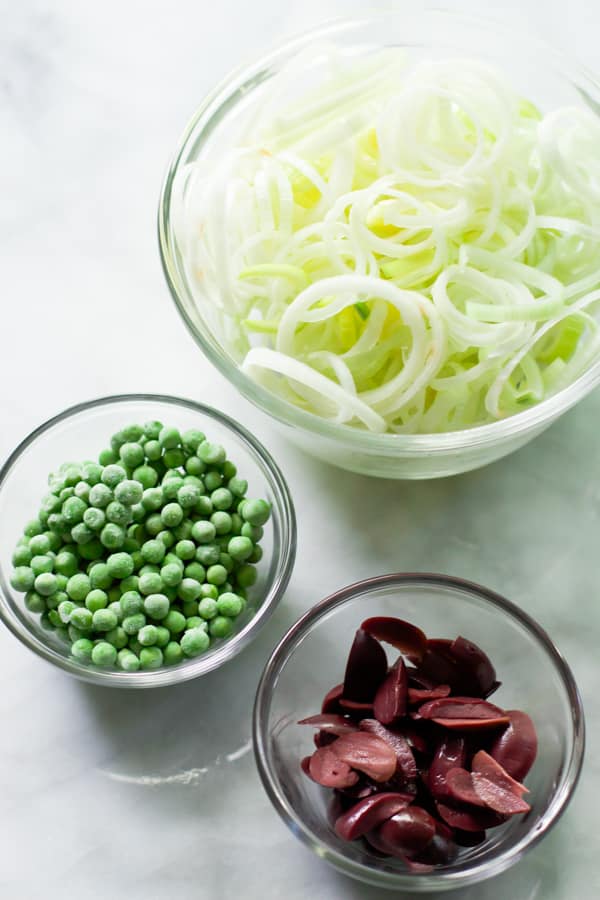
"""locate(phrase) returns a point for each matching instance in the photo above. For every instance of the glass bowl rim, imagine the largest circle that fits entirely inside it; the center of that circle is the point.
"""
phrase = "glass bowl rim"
(196, 666)
(244, 78)
(442, 880)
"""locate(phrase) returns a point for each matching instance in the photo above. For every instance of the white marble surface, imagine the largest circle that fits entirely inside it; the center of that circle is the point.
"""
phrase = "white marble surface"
(103, 799)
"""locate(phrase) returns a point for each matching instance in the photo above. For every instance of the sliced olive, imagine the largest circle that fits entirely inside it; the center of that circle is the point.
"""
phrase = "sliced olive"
(392, 695)
(330, 770)
(365, 669)
(400, 634)
(369, 813)
(367, 753)
(516, 748)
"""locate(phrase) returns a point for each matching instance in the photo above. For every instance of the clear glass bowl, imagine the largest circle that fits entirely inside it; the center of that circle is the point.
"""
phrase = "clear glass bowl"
(80, 433)
(310, 659)
(542, 74)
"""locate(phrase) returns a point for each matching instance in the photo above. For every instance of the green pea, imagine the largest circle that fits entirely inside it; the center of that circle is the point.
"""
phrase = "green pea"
(203, 532)
(213, 480)
(174, 621)
(173, 559)
(220, 627)
(190, 608)
(150, 583)
(65, 494)
(39, 564)
(169, 438)
(226, 561)
(82, 490)
(153, 450)
(104, 654)
(240, 548)
(195, 622)
(174, 458)
(171, 487)
(92, 550)
(100, 576)
(237, 486)
(146, 475)
(120, 565)
(195, 466)
(153, 524)
(188, 495)
(54, 618)
(163, 636)
(94, 518)
(58, 525)
(194, 642)
(132, 624)
(112, 475)
(65, 609)
(117, 637)
(81, 534)
(72, 474)
(208, 554)
(45, 584)
(195, 570)
(152, 498)
(132, 454)
(151, 658)
(216, 574)
(152, 429)
(45, 622)
(91, 472)
(127, 660)
(254, 532)
(96, 599)
(129, 492)
(112, 536)
(82, 649)
(185, 549)
(191, 439)
(222, 499)
(156, 606)
(138, 513)
(81, 618)
(147, 635)
(256, 512)
(78, 587)
(171, 575)
(33, 527)
(100, 496)
(246, 575)
(35, 602)
(171, 515)
(229, 604)
(222, 522)
(212, 454)
(207, 608)
(61, 582)
(209, 590)
(22, 556)
(257, 555)
(130, 583)
(204, 506)
(118, 513)
(39, 544)
(188, 589)
(131, 602)
(229, 469)
(166, 538)
(173, 653)
(114, 594)
(153, 551)
(107, 457)
(73, 510)
(54, 600)
(115, 606)
(23, 577)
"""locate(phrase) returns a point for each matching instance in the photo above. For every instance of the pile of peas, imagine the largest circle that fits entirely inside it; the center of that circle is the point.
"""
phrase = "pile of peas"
(142, 559)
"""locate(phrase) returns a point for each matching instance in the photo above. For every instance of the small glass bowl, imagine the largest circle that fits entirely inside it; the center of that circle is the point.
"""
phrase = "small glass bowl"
(80, 433)
(310, 659)
(543, 74)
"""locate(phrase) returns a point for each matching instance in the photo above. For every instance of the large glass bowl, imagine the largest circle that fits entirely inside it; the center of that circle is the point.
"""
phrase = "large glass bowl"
(80, 433)
(310, 659)
(540, 73)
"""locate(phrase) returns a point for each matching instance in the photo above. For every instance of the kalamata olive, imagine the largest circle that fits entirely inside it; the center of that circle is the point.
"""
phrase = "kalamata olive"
(485, 765)
(391, 697)
(367, 753)
(440, 851)
(422, 695)
(516, 748)
(438, 664)
(469, 819)
(330, 770)
(478, 673)
(407, 832)
(497, 797)
(460, 788)
(368, 814)
(400, 634)
(416, 734)
(331, 723)
(363, 788)
(324, 739)
(355, 709)
(493, 688)
(331, 699)
(470, 724)
(366, 668)
(404, 756)
(451, 753)
(460, 708)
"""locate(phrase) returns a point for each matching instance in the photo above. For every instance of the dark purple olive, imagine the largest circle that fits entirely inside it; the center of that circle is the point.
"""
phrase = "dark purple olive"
(460, 708)
(367, 753)
(485, 765)
(324, 739)
(416, 734)
(407, 832)
(440, 851)
(391, 697)
(366, 668)
(493, 688)
(438, 665)
(331, 699)
(516, 748)
(355, 709)
(331, 723)
(460, 788)
(363, 788)
(469, 819)
(497, 797)
(404, 756)
(422, 695)
(478, 673)
(405, 637)
(470, 724)
(329, 770)
(450, 754)
(368, 814)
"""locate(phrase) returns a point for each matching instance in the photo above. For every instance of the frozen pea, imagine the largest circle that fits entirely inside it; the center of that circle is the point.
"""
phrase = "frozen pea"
(156, 606)
(226, 561)
(45, 584)
(222, 499)
(216, 574)
(152, 498)
(204, 506)
(163, 636)
(107, 457)
(149, 568)
(100, 496)
(132, 624)
(71, 474)
(82, 490)
(33, 527)
(194, 642)
(153, 450)
(191, 439)
(172, 559)
(236, 524)
(146, 475)
(207, 608)
(188, 495)
(61, 582)
(127, 660)
(220, 627)
(246, 575)
(96, 599)
(152, 429)
(256, 555)
(229, 605)
(197, 482)
(132, 454)
(81, 534)
(23, 577)
(154, 524)
(213, 480)
(254, 532)
(133, 432)
(81, 618)
(237, 486)
(147, 635)
(208, 554)
(54, 600)
(100, 576)
(58, 525)
(22, 556)
(78, 587)
(39, 544)
(120, 565)
(65, 494)
(118, 513)
(138, 513)
(209, 590)
(229, 469)
(104, 654)
(174, 621)
(134, 645)
(203, 532)
(222, 522)
(240, 548)
(195, 466)
(212, 454)
(195, 622)
(35, 602)
(73, 510)
(173, 653)
(153, 551)
(112, 475)
(129, 492)
(41, 564)
(131, 603)
(256, 512)
(195, 570)
(112, 536)
(94, 518)
(169, 438)
(166, 538)
(46, 623)
(115, 606)
(138, 559)
(117, 441)
(185, 549)
(65, 609)
(190, 608)
(174, 458)
(130, 583)
(75, 633)
(171, 515)
(150, 583)
(151, 658)
(82, 649)
(183, 531)
(92, 550)
(54, 618)
(114, 594)
(117, 637)
(171, 486)
(189, 589)
(171, 575)
(91, 472)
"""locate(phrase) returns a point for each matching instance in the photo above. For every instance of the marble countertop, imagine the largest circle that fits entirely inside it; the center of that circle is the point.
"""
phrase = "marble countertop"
(103, 799)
